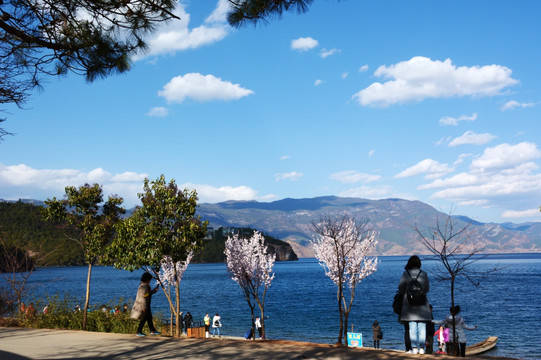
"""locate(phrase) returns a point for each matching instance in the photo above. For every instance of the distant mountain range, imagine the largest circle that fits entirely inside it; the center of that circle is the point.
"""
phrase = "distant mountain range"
(393, 219)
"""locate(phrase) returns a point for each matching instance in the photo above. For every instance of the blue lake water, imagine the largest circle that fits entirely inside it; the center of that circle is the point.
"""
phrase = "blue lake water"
(301, 303)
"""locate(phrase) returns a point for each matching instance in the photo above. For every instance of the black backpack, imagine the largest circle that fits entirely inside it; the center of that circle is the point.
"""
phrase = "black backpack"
(415, 292)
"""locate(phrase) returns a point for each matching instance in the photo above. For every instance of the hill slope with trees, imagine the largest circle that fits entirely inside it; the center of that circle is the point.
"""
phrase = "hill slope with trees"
(22, 226)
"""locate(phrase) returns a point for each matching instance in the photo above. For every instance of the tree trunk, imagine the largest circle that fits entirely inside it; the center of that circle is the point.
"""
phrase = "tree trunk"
(262, 319)
(453, 345)
(177, 304)
(171, 313)
(341, 311)
(87, 299)
(346, 315)
(253, 322)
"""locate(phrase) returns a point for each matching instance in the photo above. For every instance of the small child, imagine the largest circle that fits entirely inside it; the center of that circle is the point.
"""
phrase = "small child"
(459, 326)
(443, 337)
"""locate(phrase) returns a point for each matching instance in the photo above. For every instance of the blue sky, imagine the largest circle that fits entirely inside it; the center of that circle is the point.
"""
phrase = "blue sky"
(422, 100)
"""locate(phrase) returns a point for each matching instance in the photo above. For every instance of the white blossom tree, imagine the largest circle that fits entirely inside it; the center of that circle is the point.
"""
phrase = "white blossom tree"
(343, 246)
(170, 276)
(251, 267)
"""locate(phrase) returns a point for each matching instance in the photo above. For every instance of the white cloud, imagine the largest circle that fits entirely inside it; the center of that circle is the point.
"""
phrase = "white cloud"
(318, 82)
(461, 158)
(430, 167)
(513, 104)
(293, 176)
(449, 120)
(285, 157)
(371, 152)
(363, 68)
(158, 111)
(219, 15)
(22, 181)
(209, 193)
(328, 52)
(511, 214)
(176, 35)
(201, 88)
(472, 138)
(303, 44)
(504, 176)
(345, 75)
(499, 185)
(352, 176)
(473, 203)
(461, 179)
(505, 156)
(368, 192)
(420, 78)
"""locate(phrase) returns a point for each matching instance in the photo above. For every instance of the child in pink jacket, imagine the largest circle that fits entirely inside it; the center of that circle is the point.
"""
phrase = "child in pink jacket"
(443, 338)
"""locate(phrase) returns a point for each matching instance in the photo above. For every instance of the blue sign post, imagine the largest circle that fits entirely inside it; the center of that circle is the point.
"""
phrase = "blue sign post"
(355, 339)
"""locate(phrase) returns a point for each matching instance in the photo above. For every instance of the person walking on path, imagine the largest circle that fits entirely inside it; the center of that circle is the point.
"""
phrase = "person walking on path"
(376, 334)
(460, 326)
(414, 286)
(216, 325)
(206, 319)
(141, 306)
(258, 327)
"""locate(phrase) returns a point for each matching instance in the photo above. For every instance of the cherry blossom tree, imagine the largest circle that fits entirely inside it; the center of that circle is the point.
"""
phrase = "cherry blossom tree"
(343, 246)
(251, 265)
(170, 276)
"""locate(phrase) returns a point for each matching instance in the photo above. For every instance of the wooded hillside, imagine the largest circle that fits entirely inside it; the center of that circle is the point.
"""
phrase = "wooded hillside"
(23, 227)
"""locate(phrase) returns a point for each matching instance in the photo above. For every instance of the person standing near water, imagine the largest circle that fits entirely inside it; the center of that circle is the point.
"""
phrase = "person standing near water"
(376, 334)
(414, 286)
(206, 319)
(216, 325)
(141, 306)
(258, 327)
(459, 328)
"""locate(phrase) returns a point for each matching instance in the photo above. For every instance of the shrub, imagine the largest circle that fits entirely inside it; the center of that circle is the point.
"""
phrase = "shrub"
(61, 315)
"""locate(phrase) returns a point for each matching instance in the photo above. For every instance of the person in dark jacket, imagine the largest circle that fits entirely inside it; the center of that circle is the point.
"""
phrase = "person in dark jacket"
(416, 313)
(188, 319)
(376, 334)
(141, 306)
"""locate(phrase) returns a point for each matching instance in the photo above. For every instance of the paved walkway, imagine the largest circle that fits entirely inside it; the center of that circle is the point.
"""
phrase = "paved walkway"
(22, 344)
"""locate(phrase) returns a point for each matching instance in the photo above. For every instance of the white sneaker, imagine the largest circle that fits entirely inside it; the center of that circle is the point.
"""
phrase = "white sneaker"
(415, 351)
(409, 352)
(421, 351)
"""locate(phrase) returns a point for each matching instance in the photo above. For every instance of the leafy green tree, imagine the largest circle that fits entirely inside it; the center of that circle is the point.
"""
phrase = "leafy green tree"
(254, 11)
(52, 37)
(84, 209)
(164, 226)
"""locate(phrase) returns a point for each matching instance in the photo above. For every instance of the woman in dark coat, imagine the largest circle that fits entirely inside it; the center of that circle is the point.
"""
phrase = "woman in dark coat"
(141, 306)
(376, 334)
(416, 314)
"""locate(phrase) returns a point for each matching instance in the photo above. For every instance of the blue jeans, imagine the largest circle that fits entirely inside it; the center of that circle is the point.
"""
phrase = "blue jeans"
(417, 334)
(214, 331)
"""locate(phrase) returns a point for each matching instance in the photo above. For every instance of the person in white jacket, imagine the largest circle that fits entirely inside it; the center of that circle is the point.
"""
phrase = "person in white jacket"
(216, 325)
(460, 326)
